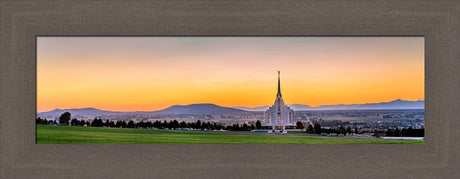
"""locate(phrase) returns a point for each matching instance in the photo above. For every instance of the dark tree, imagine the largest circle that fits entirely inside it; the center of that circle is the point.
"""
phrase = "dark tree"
(157, 124)
(64, 118)
(317, 128)
(198, 124)
(397, 132)
(97, 122)
(141, 124)
(106, 123)
(299, 125)
(174, 124)
(94, 122)
(310, 128)
(182, 124)
(252, 127)
(148, 124)
(258, 125)
(236, 127)
(245, 127)
(165, 124)
(75, 122)
(389, 132)
(41, 121)
(205, 125)
(131, 124)
(341, 130)
(229, 127)
(112, 124)
(118, 124)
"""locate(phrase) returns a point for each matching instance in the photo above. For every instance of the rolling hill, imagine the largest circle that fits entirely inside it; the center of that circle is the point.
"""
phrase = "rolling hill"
(199, 109)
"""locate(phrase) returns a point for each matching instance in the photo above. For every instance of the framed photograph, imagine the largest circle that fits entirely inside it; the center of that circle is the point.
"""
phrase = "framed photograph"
(35, 80)
(220, 90)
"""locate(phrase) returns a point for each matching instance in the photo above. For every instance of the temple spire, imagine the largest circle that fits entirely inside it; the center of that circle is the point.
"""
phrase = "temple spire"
(279, 89)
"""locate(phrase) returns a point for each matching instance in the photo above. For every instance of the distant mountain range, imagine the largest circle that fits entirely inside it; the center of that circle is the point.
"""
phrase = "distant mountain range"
(82, 111)
(215, 109)
(176, 109)
(199, 109)
(396, 104)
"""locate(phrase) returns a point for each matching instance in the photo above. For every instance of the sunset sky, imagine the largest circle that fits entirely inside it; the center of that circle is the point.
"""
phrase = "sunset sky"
(152, 73)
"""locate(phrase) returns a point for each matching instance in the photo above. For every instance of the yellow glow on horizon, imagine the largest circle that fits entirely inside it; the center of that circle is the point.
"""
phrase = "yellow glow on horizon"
(150, 74)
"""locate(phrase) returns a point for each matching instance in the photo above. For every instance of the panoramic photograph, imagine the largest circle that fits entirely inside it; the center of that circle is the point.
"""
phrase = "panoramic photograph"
(230, 90)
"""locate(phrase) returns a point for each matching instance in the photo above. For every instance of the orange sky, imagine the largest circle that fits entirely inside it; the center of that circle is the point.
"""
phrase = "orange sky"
(152, 73)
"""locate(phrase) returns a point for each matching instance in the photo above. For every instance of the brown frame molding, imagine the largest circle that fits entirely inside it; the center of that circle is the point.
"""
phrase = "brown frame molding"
(22, 21)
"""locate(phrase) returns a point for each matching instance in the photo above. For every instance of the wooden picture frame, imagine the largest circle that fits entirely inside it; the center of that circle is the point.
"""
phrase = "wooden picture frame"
(21, 22)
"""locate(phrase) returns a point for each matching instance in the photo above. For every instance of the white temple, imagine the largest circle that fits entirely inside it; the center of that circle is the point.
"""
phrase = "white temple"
(279, 116)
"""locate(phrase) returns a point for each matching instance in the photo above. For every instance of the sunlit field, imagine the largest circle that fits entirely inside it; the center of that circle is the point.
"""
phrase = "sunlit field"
(95, 135)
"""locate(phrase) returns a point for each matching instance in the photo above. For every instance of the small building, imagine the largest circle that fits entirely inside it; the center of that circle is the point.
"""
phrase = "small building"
(279, 116)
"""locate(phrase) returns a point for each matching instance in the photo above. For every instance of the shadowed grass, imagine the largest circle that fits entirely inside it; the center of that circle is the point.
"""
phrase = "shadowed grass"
(97, 135)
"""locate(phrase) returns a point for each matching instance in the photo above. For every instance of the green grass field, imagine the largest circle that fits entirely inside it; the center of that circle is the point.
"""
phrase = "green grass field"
(95, 135)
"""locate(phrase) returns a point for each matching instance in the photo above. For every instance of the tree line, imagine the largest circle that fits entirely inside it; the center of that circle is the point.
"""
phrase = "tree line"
(316, 129)
(44, 121)
(64, 119)
(409, 132)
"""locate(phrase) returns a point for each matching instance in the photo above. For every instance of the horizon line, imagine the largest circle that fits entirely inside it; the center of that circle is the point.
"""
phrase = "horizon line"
(227, 106)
